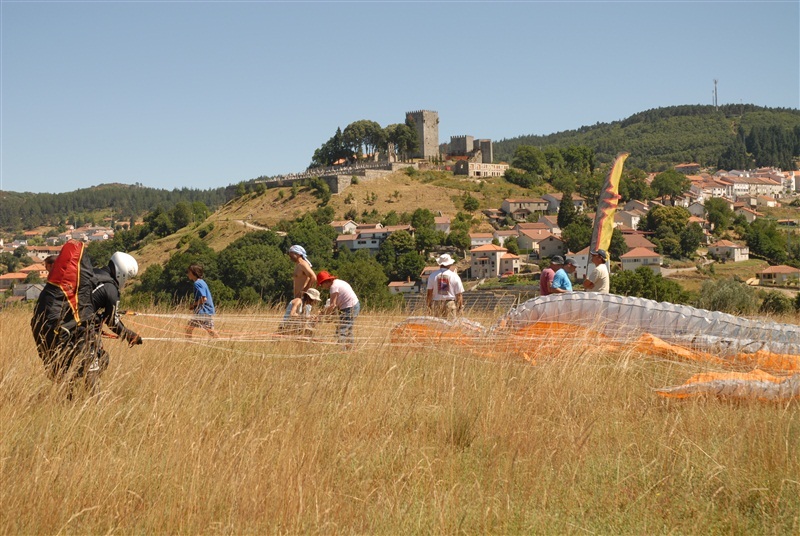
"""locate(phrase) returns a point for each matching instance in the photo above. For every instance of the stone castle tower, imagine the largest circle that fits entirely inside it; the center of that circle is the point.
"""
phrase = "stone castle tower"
(427, 125)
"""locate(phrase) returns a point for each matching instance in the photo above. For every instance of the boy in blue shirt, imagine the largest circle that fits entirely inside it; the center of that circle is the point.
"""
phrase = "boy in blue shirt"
(561, 283)
(203, 304)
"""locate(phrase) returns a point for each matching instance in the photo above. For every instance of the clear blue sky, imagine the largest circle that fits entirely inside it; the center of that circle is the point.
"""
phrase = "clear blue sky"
(206, 94)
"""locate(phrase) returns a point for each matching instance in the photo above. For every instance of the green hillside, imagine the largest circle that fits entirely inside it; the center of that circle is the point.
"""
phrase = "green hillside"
(662, 137)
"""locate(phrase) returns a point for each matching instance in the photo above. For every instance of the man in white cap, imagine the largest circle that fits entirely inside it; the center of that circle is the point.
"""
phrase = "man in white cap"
(303, 277)
(444, 289)
(599, 281)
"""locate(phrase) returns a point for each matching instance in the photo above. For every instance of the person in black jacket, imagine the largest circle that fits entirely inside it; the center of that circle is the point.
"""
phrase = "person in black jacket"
(72, 349)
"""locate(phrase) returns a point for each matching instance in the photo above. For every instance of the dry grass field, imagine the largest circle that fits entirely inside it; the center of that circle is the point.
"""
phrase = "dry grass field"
(271, 436)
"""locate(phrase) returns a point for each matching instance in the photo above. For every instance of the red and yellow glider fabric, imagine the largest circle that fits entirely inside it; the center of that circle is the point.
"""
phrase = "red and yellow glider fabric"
(756, 385)
(607, 206)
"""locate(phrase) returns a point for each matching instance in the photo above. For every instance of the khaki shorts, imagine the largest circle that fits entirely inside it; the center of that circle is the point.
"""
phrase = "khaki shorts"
(444, 308)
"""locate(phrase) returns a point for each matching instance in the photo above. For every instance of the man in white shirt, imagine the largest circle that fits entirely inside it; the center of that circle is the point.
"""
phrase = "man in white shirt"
(599, 281)
(445, 289)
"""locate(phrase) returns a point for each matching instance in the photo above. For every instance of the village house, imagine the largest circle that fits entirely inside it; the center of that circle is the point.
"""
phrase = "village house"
(502, 236)
(425, 273)
(767, 201)
(697, 209)
(479, 169)
(525, 226)
(406, 287)
(344, 227)
(582, 264)
(729, 251)
(637, 240)
(480, 239)
(369, 237)
(495, 216)
(442, 223)
(627, 218)
(492, 261)
(635, 204)
(637, 257)
(520, 208)
(749, 214)
(37, 268)
(551, 224)
(10, 279)
(540, 243)
(554, 200)
(28, 291)
(781, 275)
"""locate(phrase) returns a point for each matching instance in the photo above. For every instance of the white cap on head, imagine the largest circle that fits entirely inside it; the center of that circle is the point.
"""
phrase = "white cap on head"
(125, 267)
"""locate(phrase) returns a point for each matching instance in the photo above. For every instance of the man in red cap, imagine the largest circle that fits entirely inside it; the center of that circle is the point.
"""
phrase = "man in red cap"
(343, 299)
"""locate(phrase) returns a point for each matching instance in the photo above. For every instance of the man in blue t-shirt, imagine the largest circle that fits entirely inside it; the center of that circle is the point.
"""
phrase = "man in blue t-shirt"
(203, 304)
(561, 283)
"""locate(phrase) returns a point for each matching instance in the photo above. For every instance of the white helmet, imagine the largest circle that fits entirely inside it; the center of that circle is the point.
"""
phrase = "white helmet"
(125, 267)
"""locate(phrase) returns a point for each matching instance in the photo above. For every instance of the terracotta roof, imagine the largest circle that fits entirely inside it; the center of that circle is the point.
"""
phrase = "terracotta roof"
(525, 200)
(639, 252)
(14, 276)
(488, 247)
(634, 241)
(726, 244)
(780, 269)
(745, 209)
(510, 256)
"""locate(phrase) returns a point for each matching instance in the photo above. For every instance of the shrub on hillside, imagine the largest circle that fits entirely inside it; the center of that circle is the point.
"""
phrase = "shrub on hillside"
(728, 296)
(776, 302)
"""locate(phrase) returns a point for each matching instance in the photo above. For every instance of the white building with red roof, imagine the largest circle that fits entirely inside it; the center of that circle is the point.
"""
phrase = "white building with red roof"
(480, 239)
(641, 257)
(729, 251)
(492, 261)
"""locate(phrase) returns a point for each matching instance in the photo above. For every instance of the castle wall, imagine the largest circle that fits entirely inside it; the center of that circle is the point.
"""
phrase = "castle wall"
(461, 145)
(486, 151)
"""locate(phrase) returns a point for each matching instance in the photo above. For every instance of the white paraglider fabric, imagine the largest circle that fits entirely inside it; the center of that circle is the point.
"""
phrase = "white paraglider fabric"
(623, 317)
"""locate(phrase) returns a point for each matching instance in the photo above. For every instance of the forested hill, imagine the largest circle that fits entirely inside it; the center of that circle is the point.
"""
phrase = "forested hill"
(29, 210)
(662, 137)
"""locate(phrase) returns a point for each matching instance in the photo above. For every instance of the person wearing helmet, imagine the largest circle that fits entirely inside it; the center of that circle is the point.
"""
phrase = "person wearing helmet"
(68, 328)
(105, 307)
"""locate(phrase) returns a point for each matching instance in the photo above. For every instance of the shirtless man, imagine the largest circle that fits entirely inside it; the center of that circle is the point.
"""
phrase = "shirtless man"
(304, 277)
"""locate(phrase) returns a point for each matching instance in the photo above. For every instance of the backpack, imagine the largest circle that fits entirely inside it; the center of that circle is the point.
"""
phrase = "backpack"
(64, 309)
(70, 284)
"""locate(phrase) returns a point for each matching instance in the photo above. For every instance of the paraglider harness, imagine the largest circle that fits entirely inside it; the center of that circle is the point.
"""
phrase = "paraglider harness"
(67, 336)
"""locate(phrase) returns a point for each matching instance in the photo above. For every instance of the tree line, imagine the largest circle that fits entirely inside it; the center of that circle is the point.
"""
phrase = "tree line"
(28, 210)
(660, 138)
(366, 137)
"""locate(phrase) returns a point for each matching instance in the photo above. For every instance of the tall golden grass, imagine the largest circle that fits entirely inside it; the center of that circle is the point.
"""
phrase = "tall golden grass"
(281, 436)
